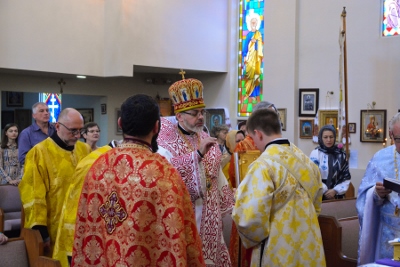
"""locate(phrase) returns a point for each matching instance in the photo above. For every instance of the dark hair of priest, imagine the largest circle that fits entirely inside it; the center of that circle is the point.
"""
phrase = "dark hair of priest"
(138, 115)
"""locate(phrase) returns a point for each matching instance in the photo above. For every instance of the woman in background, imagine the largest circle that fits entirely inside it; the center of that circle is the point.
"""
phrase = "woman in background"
(10, 169)
(220, 132)
(232, 138)
(332, 164)
(91, 134)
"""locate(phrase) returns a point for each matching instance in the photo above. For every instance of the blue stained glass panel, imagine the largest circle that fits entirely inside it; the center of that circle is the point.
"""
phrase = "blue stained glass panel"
(53, 101)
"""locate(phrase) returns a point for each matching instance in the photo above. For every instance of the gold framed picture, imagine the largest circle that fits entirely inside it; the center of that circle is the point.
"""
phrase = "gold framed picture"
(306, 128)
(326, 117)
(373, 125)
(87, 114)
(282, 116)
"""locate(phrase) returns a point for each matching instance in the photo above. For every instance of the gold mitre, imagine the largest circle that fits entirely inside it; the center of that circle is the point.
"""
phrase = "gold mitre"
(186, 94)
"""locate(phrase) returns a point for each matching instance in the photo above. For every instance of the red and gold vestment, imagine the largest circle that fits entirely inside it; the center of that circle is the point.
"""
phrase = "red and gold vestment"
(209, 190)
(135, 210)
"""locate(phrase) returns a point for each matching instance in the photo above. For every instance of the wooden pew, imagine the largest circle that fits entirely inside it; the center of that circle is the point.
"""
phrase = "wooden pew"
(339, 208)
(26, 250)
(350, 192)
(10, 208)
(339, 226)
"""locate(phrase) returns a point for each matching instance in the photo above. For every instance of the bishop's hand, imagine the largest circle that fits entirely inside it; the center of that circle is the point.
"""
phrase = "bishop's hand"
(206, 144)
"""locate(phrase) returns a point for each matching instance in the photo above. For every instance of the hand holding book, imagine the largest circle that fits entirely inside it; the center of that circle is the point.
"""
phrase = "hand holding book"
(392, 184)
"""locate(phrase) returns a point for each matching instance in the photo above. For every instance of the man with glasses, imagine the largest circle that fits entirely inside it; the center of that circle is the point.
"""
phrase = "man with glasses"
(37, 132)
(49, 169)
(378, 207)
(197, 158)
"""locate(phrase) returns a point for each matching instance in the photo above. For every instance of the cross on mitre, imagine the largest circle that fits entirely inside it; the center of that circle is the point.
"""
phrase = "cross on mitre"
(182, 72)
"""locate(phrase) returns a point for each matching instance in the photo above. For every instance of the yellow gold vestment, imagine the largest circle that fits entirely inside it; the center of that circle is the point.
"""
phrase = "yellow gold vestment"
(48, 172)
(278, 203)
(65, 236)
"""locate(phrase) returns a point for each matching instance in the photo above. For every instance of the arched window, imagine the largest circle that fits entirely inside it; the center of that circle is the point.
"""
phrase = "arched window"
(53, 101)
(251, 55)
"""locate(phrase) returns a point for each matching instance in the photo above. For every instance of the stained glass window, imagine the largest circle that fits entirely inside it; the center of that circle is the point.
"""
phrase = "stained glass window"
(250, 65)
(53, 101)
(391, 18)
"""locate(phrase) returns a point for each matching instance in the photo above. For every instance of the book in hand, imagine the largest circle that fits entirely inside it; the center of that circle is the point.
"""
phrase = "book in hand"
(392, 184)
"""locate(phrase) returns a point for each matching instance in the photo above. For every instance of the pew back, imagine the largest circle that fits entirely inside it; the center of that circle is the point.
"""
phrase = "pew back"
(339, 208)
(333, 237)
(26, 250)
(10, 208)
(350, 234)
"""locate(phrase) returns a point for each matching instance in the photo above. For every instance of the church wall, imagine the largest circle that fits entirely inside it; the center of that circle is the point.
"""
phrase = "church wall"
(54, 36)
(106, 38)
(372, 67)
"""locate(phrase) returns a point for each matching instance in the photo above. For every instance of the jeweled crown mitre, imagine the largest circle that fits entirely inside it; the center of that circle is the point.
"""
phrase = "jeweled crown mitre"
(186, 94)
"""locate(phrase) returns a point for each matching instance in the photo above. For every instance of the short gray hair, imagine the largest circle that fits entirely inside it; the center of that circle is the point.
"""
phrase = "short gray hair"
(264, 105)
(393, 121)
(219, 128)
(35, 106)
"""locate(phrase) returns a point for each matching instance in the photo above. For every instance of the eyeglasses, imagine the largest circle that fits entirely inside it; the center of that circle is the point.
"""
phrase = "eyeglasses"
(94, 131)
(395, 139)
(72, 131)
(196, 113)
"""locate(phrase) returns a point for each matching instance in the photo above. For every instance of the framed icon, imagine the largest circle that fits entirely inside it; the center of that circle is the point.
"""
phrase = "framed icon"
(373, 125)
(87, 114)
(308, 102)
(352, 127)
(306, 128)
(103, 108)
(15, 99)
(282, 116)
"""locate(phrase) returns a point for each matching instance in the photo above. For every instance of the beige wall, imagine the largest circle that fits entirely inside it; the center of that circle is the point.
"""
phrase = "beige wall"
(107, 38)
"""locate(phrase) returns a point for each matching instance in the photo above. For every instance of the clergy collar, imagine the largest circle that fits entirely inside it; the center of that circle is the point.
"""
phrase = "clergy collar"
(60, 142)
(278, 141)
(184, 131)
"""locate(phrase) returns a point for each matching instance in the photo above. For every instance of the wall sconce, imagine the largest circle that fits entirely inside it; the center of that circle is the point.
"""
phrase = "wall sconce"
(369, 106)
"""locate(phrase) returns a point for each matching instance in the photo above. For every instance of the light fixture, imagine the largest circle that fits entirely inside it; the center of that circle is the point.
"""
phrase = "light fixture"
(80, 76)
(371, 106)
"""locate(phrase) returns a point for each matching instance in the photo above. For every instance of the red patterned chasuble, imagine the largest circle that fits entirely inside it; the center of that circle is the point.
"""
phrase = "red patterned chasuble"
(134, 210)
(217, 201)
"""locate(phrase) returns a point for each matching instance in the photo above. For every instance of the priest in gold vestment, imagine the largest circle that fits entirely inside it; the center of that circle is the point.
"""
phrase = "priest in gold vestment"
(278, 201)
(48, 171)
(65, 235)
(243, 259)
(134, 208)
